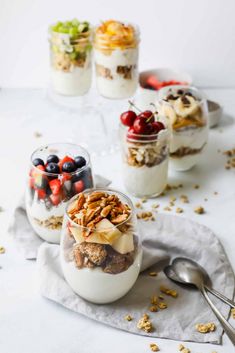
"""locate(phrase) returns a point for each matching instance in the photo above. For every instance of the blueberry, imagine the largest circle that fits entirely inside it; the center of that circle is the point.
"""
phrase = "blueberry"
(68, 167)
(80, 161)
(85, 176)
(52, 168)
(38, 161)
(52, 158)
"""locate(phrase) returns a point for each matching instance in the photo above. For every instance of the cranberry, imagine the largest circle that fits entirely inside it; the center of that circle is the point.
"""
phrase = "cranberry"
(147, 115)
(128, 118)
(157, 126)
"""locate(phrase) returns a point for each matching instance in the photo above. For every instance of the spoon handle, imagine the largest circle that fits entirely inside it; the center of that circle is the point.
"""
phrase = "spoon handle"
(220, 296)
(229, 330)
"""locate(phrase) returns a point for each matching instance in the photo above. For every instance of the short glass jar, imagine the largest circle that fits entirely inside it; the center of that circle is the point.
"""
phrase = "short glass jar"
(116, 51)
(186, 113)
(100, 247)
(70, 52)
(145, 162)
(47, 193)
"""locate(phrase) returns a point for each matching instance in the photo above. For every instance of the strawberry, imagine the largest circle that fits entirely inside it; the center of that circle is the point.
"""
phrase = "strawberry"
(55, 186)
(66, 176)
(78, 186)
(55, 199)
(63, 160)
(41, 193)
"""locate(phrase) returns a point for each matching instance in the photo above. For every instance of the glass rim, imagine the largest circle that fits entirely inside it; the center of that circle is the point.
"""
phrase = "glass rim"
(60, 174)
(199, 94)
(154, 136)
(108, 190)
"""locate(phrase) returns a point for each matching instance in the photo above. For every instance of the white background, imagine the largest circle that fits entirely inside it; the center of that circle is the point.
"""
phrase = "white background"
(196, 36)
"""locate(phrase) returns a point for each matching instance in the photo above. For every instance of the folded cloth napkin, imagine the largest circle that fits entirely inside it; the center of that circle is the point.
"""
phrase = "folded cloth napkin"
(20, 229)
(167, 237)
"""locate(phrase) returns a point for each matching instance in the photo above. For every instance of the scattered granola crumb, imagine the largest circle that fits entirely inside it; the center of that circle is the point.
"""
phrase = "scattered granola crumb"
(153, 308)
(196, 186)
(154, 300)
(179, 210)
(155, 205)
(171, 203)
(161, 297)
(233, 313)
(199, 210)
(184, 199)
(144, 199)
(205, 328)
(173, 198)
(183, 349)
(154, 347)
(138, 205)
(2, 250)
(167, 208)
(162, 305)
(153, 274)
(128, 318)
(172, 292)
(145, 324)
(146, 216)
(37, 134)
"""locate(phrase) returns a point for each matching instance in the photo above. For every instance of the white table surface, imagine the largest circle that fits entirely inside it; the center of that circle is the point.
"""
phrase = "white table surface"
(30, 323)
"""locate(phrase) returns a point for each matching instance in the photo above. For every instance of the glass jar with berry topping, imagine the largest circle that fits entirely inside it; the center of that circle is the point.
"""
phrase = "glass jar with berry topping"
(70, 48)
(145, 152)
(100, 246)
(116, 59)
(185, 110)
(57, 172)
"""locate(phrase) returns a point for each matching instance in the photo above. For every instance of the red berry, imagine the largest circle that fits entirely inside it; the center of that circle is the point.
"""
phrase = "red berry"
(140, 126)
(128, 118)
(147, 115)
(41, 167)
(55, 186)
(157, 126)
(65, 177)
(78, 186)
(55, 199)
(131, 134)
(31, 183)
(41, 193)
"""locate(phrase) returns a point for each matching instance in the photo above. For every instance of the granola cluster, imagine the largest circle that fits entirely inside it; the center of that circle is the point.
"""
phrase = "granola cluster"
(53, 222)
(145, 154)
(205, 328)
(125, 72)
(186, 151)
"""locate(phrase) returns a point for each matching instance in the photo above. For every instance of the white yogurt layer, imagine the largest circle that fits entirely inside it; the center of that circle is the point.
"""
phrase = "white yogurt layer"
(146, 181)
(97, 286)
(74, 83)
(192, 138)
(117, 87)
(38, 210)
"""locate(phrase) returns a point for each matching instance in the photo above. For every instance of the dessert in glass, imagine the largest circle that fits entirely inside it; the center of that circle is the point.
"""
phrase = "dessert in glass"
(57, 173)
(100, 248)
(70, 52)
(186, 114)
(145, 152)
(116, 59)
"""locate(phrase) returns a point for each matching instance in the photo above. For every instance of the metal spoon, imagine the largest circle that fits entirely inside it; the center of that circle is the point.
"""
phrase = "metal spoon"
(187, 272)
(169, 272)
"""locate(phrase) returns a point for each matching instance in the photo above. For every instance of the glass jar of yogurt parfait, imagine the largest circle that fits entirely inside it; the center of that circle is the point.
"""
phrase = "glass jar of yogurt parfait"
(186, 114)
(116, 59)
(145, 152)
(100, 247)
(57, 173)
(70, 52)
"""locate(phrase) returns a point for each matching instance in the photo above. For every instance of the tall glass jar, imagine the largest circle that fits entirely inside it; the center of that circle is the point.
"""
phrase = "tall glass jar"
(116, 59)
(70, 52)
(186, 113)
(100, 247)
(57, 172)
(145, 162)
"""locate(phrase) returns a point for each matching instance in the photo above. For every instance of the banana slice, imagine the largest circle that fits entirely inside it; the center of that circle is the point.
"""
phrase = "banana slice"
(184, 110)
(168, 112)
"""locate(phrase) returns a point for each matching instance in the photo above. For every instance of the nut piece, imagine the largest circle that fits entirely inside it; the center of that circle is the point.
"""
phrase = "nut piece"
(154, 300)
(199, 210)
(205, 328)
(154, 347)
(233, 313)
(145, 324)
(184, 199)
(183, 349)
(172, 292)
(153, 309)
(2, 250)
(128, 318)
(152, 274)
(162, 305)
(179, 210)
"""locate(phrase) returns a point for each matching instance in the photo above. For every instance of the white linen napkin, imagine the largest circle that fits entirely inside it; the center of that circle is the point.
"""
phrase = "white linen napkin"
(20, 229)
(167, 237)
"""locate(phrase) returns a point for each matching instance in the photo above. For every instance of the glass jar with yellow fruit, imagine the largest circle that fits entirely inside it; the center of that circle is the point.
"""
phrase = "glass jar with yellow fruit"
(116, 59)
